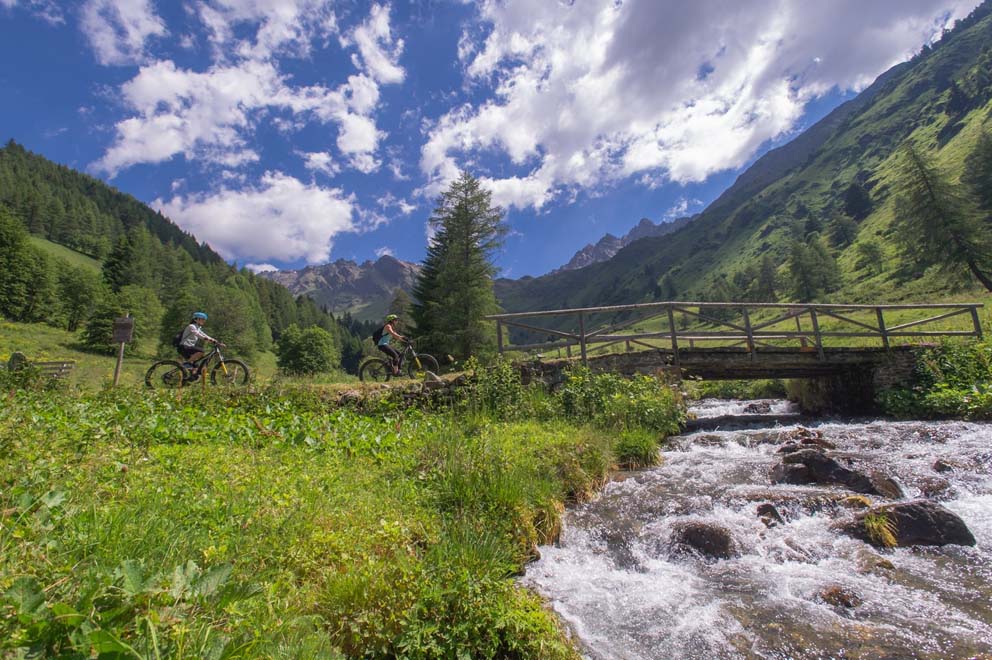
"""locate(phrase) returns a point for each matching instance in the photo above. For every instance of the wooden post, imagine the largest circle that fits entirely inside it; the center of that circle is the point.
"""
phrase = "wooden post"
(816, 334)
(568, 350)
(799, 328)
(582, 339)
(978, 324)
(499, 336)
(123, 329)
(675, 338)
(628, 346)
(749, 332)
(881, 327)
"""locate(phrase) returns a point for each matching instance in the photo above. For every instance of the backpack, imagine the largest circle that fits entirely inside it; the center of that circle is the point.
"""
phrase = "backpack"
(377, 335)
(178, 339)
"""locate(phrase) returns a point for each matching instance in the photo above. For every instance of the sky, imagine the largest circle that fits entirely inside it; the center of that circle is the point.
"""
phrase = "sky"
(294, 132)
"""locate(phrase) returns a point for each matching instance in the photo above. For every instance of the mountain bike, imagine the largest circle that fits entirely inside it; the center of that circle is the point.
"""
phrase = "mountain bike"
(174, 374)
(379, 370)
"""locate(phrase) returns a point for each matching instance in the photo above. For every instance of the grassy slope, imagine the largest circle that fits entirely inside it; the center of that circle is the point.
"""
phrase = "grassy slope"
(68, 255)
(744, 224)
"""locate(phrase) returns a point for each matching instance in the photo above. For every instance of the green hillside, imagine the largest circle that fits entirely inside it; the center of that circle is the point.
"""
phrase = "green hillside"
(68, 255)
(829, 189)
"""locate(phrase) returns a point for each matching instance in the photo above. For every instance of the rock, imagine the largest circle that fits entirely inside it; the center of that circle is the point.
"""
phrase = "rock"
(769, 515)
(886, 486)
(935, 488)
(869, 562)
(758, 408)
(825, 470)
(708, 539)
(818, 442)
(789, 448)
(918, 522)
(856, 502)
(348, 397)
(838, 596)
(791, 473)
(940, 465)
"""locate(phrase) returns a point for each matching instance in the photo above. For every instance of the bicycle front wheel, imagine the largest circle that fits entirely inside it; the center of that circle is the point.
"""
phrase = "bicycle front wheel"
(375, 370)
(427, 363)
(167, 374)
(230, 373)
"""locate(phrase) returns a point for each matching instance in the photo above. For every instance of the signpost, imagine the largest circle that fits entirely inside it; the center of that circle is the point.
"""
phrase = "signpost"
(123, 331)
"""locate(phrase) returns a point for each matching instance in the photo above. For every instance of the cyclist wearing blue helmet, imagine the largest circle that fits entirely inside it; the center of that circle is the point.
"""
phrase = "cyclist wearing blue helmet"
(192, 335)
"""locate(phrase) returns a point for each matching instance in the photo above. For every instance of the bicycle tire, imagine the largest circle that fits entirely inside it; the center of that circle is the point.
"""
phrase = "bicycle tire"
(237, 374)
(167, 374)
(427, 363)
(375, 370)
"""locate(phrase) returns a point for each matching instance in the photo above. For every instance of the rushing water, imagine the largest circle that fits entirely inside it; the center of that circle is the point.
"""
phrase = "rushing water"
(614, 578)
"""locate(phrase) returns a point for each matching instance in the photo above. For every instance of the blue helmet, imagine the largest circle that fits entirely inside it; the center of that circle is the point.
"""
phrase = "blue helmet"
(199, 315)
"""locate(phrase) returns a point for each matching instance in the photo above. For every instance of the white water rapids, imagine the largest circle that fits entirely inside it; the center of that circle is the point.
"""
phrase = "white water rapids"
(614, 580)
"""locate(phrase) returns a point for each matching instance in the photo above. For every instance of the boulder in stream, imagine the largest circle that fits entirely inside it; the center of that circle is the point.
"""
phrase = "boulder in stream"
(918, 522)
(711, 540)
(838, 596)
(822, 470)
(769, 515)
(758, 408)
(886, 486)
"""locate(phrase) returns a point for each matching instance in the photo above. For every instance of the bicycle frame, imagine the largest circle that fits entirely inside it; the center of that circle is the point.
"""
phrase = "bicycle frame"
(208, 357)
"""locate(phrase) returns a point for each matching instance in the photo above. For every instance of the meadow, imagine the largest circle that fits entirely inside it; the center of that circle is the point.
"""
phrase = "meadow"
(272, 523)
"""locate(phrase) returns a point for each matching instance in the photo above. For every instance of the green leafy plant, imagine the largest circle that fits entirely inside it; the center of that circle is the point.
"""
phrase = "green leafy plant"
(881, 529)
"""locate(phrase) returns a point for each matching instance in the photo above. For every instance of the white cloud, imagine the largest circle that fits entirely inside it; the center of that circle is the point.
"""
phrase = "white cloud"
(282, 219)
(47, 10)
(378, 53)
(588, 93)
(383, 251)
(261, 268)
(390, 201)
(119, 29)
(289, 26)
(320, 161)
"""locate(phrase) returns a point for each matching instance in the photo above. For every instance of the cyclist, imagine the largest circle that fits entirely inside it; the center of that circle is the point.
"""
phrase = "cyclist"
(188, 347)
(386, 332)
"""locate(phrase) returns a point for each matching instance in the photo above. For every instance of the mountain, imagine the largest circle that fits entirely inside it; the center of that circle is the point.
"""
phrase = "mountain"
(609, 245)
(836, 174)
(364, 290)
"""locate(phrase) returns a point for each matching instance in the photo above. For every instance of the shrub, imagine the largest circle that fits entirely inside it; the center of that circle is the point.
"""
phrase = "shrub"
(615, 403)
(307, 352)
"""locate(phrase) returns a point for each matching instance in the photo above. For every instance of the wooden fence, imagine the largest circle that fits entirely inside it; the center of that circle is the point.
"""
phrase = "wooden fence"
(751, 326)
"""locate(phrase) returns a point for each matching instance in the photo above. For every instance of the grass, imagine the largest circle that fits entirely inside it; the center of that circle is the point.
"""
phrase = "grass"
(68, 255)
(881, 529)
(268, 523)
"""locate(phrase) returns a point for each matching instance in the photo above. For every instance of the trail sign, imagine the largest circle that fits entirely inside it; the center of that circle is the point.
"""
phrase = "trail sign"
(123, 329)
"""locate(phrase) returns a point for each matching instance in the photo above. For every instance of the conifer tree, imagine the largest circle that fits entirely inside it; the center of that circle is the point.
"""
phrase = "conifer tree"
(455, 288)
(938, 221)
(978, 171)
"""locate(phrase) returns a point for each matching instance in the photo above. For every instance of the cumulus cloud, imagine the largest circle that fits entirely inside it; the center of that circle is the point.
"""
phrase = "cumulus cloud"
(383, 251)
(378, 53)
(320, 161)
(211, 115)
(583, 94)
(119, 29)
(47, 10)
(281, 219)
(261, 268)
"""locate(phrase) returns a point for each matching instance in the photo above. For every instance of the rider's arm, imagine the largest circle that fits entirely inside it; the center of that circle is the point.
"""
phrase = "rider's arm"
(389, 328)
(195, 329)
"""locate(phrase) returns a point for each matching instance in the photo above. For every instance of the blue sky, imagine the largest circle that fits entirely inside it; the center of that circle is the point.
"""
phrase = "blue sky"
(294, 132)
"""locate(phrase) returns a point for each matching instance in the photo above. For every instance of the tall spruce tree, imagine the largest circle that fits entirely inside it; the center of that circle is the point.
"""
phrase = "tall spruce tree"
(455, 288)
(978, 171)
(938, 221)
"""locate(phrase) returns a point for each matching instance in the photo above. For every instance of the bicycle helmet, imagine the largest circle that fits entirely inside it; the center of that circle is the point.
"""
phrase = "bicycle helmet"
(391, 317)
(199, 315)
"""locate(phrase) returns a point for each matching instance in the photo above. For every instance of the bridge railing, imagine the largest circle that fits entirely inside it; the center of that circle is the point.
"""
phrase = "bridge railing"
(749, 326)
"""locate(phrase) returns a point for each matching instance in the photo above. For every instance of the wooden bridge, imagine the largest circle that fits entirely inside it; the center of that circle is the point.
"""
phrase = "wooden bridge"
(739, 340)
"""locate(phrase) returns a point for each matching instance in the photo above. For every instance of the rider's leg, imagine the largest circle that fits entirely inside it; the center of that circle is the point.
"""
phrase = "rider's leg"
(191, 355)
(394, 358)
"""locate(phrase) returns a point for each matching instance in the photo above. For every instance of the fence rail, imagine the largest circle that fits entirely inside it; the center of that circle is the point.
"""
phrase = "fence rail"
(752, 326)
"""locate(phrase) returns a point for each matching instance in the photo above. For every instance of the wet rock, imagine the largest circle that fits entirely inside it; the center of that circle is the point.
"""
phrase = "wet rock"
(856, 502)
(758, 408)
(791, 473)
(818, 442)
(825, 470)
(708, 539)
(940, 465)
(919, 522)
(838, 596)
(869, 562)
(789, 448)
(935, 488)
(886, 486)
(769, 515)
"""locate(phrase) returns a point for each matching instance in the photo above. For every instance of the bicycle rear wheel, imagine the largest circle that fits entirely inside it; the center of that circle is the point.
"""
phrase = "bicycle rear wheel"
(375, 370)
(427, 363)
(230, 373)
(167, 374)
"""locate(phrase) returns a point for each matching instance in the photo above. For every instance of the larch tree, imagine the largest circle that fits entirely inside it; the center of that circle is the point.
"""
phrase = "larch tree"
(454, 291)
(938, 221)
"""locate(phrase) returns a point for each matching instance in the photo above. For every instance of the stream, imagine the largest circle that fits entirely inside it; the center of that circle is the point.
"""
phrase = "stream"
(615, 579)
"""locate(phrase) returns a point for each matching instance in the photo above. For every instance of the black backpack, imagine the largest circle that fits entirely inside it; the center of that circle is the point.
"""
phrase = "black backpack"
(377, 335)
(177, 341)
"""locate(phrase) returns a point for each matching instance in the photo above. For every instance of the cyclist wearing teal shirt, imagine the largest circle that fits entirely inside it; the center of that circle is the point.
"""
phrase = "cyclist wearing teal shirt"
(388, 332)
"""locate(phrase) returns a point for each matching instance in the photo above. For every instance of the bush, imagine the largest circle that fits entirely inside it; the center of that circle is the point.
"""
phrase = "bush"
(307, 352)
(952, 380)
(616, 403)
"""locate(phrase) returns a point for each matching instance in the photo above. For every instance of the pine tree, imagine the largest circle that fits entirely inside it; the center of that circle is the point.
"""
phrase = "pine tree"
(978, 171)
(857, 201)
(763, 289)
(938, 222)
(455, 288)
(843, 231)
